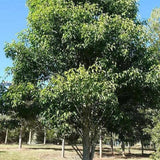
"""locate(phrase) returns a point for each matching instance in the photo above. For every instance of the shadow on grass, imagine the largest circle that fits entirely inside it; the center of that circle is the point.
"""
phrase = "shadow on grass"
(138, 155)
(146, 149)
(54, 149)
(2, 152)
(117, 153)
(127, 156)
(106, 152)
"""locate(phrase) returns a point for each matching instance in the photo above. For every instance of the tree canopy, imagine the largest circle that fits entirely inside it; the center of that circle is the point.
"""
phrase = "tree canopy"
(62, 35)
(63, 40)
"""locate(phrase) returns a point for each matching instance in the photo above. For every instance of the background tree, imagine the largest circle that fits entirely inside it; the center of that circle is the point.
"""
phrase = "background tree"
(22, 101)
(153, 30)
(153, 129)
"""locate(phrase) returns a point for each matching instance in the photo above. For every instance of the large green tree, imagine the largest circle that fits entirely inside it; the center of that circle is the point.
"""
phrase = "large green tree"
(64, 34)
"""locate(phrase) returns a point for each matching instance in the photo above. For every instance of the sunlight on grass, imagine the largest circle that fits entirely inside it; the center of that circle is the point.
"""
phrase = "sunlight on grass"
(53, 152)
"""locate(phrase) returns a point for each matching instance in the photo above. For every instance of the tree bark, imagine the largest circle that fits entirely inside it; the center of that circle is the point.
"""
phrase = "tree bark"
(20, 138)
(6, 137)
(63, 147)
(44, 136)
(78, 151)
(92, 151)
(154, 147)
(30, 137)
(123, 149)
(112, 150)
(86, 144)
(142, 147)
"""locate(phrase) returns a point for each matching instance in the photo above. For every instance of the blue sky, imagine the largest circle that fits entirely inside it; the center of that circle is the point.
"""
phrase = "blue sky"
(13, 14)
(146, 6)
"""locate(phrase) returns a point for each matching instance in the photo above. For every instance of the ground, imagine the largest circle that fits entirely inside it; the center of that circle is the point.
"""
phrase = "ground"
(53, 152)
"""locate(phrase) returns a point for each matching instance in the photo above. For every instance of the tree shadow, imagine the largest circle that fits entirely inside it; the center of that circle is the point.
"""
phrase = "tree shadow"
(117, 153)
(127, 156)
(2, 152)
(55, 149)
(145, 149)
(138, 155)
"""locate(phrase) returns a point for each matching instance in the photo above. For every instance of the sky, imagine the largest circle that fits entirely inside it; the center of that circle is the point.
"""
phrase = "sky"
(13, 19)
(13, 15)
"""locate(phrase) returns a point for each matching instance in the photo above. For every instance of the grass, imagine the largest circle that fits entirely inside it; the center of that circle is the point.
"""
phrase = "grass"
(53, 152)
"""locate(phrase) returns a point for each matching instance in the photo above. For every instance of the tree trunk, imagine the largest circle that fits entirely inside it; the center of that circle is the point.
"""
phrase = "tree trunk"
(92, 151)
(100, 146)
(63, 147)
(112, 150)
(86, 144)
(129, 148)
(30, 137)
(78, 151)
(44, 135)
(123, 149)
(154, 147)
(142, 147)
(20, 138)
(6, 137)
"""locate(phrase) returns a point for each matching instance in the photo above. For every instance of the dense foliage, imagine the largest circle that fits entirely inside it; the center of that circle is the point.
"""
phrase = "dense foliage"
(83, 99)
(98, 67)
(154, 37)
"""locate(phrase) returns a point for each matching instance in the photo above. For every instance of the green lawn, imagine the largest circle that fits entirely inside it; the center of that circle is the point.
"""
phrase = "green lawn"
(53, 152)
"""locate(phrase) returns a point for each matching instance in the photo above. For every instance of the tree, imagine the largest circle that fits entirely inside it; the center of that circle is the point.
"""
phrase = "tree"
(23, 104)
(153, 131)
(84, 100)
(65, 34)
(5, 120)
(153, 30)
